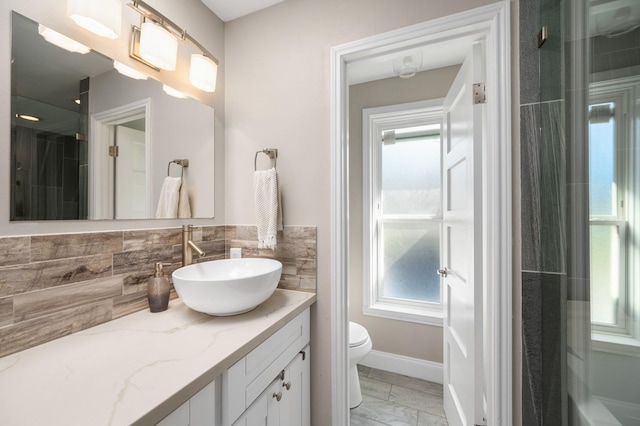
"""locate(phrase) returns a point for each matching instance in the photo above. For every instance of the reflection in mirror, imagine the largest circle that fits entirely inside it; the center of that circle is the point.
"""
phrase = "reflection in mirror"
(88, 142)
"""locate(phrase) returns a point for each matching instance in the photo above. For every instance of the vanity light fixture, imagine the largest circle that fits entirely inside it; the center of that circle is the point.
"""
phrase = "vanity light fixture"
(62, 41)
(155, 44)
(158, 46)
(103, 17)
(173, 92)
(203, 72)
(28, 117)
(128, 71)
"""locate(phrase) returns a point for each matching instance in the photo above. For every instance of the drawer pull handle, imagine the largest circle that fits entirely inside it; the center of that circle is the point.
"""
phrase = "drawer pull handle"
(287, 385)
(277, 396)
(304, 355)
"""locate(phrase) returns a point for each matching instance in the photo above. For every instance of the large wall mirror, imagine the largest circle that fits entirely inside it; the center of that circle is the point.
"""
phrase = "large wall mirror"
(88, 142)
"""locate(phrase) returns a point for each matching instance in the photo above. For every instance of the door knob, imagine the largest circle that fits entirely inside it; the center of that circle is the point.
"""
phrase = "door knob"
(442, 272)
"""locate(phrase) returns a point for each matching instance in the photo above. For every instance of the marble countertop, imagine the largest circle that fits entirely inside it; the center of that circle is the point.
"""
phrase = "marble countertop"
(136, 369)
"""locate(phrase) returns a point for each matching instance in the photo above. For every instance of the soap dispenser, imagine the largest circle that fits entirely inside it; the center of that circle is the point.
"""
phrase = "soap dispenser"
(158, 290)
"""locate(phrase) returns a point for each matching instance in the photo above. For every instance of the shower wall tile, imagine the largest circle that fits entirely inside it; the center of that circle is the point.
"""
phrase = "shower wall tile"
(55, 285)
(531, 348)
(529, 52)
(530, 186)
(554, 349)
(552, 187)
(551, 52)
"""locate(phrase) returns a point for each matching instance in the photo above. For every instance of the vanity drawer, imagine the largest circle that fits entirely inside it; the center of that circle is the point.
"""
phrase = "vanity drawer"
(249, 377)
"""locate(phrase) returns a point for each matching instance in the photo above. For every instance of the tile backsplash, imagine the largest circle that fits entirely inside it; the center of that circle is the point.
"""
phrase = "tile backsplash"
(55, 285)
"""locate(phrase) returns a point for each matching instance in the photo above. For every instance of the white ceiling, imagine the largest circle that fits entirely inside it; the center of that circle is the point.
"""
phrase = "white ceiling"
(228, 10)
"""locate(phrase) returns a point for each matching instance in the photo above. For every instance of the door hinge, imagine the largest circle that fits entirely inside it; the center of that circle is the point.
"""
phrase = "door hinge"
(479, 93)
(114, 151)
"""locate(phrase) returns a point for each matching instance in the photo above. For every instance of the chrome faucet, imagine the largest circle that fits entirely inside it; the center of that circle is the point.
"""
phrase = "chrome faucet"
(188, 246)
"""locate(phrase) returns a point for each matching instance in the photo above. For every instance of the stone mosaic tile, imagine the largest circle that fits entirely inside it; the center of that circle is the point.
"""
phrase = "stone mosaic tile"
(38, 303)
(14, 250)
(6, 311)
(212, 233)
(129, 303)
(30, 333)
(50, 247)
(40, 275)
(145, 239)
(75, 281)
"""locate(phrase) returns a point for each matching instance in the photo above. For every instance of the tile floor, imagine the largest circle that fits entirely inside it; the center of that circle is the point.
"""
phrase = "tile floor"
(393, 399)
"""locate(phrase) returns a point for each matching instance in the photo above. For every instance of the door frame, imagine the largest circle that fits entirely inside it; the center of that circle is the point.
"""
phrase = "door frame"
(101, 194)
(493, 23)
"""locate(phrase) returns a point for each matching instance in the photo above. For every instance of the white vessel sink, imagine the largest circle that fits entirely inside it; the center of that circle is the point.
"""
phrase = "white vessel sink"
(228, 286)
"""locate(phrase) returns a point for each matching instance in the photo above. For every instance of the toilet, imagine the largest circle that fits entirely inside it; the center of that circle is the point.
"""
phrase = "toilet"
(359, 346)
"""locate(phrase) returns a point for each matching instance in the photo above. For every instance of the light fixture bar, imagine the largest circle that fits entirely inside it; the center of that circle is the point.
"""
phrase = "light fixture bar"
(148, 12)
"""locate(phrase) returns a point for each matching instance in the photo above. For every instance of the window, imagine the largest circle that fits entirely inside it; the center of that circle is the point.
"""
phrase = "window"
(614, 215)
(403, 211)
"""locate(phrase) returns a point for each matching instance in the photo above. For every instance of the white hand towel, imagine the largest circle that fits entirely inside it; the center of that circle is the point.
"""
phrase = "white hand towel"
(184, 208)
(268, 210)
(169, 198)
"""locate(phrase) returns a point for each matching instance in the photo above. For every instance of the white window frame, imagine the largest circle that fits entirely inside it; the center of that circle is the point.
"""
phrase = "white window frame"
(375, 121)
(624, 338)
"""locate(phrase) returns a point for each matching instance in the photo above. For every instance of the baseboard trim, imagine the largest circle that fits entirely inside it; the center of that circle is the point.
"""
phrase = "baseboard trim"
(400, 364)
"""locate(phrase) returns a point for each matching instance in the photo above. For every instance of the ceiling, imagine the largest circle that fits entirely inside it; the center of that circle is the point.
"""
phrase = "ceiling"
(228, 10)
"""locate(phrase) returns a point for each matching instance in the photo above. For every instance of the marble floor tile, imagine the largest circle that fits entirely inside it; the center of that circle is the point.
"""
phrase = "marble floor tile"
(426, 419)
(386, 403)
(375, 388)
(386, 412)
(363, 421)
(406, 381)
(415, 399)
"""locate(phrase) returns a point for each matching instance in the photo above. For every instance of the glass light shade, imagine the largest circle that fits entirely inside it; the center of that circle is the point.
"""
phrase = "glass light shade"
(62, 41)
(158, 46)
(203, 72)
(128, 71)
(101, 17)
(173, 92)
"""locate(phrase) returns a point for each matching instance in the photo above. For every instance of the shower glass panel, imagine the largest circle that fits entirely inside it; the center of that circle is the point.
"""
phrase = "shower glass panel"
(590, 72)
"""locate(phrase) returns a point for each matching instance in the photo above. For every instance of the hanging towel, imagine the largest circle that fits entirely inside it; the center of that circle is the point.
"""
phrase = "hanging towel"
(169, 198)
(184, 208)
(268, 209)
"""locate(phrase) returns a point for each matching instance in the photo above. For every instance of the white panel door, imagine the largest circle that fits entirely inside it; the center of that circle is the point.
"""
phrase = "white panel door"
(462, 247)
(131, 175)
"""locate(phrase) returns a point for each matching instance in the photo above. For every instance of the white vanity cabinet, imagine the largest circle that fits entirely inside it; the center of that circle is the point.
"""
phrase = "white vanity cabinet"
(279, 366)
(286, 401)
(200, 410)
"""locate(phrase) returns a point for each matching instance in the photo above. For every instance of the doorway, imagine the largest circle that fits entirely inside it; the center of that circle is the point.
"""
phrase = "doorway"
(489, 24)
(121, 150)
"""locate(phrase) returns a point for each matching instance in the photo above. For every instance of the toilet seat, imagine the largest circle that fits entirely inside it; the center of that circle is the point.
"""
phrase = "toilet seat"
(357, 334)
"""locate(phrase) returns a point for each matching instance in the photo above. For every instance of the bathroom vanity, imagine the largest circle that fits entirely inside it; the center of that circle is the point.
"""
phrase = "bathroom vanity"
(177, 367)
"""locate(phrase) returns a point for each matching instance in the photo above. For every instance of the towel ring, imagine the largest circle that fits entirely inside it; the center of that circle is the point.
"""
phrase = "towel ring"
(182, 163)
(272, 153)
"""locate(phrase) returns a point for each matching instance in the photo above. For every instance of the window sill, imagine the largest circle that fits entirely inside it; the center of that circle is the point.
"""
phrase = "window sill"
(405, 313)
(616, 344)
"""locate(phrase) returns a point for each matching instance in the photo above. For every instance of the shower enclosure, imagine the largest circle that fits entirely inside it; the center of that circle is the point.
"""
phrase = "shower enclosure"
(581, 214)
